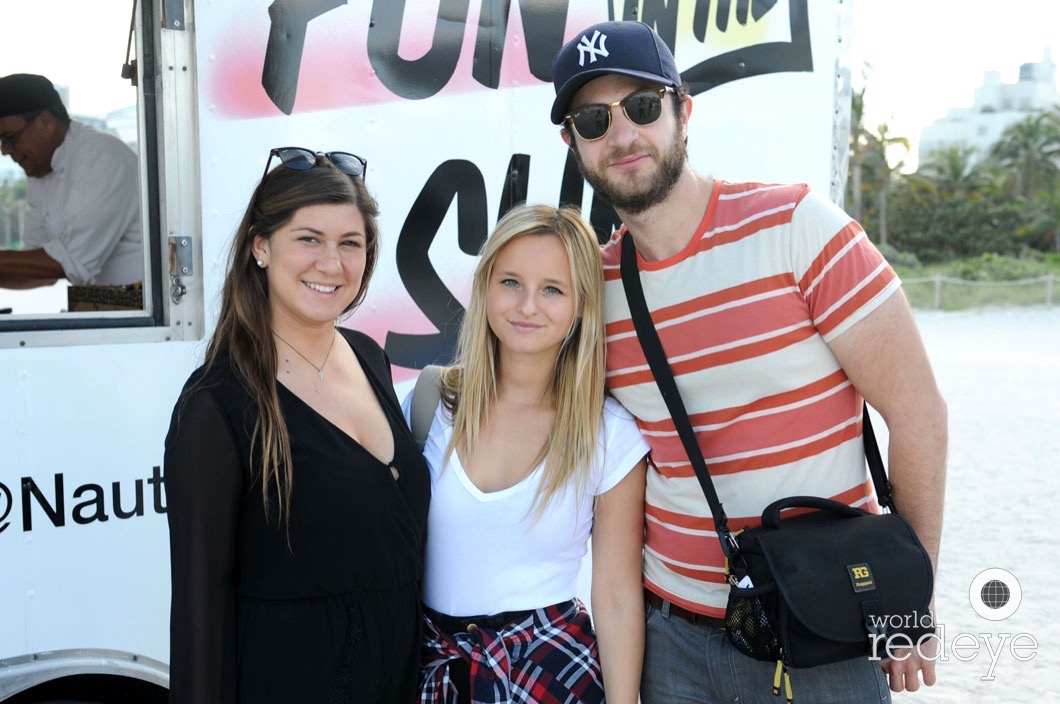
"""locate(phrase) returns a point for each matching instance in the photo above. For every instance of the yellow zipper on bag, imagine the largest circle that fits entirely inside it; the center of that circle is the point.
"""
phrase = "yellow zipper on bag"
(781, 674)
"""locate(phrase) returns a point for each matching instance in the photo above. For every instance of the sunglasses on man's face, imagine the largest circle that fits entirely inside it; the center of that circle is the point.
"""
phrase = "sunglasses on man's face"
(642, 108)
(300, 159)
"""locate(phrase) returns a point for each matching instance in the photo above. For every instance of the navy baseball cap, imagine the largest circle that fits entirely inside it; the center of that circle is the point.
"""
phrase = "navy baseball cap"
(626, 47)
(26, 92)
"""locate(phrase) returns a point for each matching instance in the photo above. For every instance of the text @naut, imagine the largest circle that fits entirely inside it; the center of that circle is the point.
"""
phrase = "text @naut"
(53, 502)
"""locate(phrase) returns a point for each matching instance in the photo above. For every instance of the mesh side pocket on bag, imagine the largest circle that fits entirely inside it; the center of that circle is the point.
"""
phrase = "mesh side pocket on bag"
(748, 621)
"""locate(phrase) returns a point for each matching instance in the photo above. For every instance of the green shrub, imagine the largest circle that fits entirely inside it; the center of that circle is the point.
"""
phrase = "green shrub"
(897, 258)
(996, 267)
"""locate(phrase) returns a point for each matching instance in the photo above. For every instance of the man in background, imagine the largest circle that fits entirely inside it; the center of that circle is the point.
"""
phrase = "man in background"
(82, 193)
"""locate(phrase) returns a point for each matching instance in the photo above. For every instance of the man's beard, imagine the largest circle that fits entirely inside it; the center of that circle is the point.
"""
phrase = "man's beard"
(627, 200)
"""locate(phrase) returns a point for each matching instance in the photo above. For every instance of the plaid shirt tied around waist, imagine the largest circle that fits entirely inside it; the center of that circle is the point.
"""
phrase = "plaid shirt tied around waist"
(547, 657)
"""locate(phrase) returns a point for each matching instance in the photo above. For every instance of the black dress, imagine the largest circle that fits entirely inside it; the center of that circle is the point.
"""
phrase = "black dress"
(325, 610)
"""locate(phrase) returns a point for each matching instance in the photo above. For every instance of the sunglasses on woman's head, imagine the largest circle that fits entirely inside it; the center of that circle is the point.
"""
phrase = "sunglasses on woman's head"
(300, 159)
(642, 108)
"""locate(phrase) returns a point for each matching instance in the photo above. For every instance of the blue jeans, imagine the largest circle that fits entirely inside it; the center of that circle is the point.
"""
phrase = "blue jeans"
(693, 664)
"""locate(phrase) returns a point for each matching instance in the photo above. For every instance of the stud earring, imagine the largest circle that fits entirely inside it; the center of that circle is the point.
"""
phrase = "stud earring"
(261, 264)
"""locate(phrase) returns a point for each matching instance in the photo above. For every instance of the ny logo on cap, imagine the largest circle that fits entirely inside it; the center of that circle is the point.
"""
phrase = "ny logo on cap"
(589, 46)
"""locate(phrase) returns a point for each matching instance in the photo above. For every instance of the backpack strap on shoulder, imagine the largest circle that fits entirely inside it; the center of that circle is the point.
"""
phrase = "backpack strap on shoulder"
(425, 396)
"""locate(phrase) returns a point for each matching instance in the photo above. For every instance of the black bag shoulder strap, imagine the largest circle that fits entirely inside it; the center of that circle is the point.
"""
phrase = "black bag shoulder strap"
(664, 378)
(880, 480)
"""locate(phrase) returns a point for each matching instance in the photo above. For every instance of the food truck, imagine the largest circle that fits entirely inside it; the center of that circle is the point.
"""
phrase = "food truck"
(448, 101)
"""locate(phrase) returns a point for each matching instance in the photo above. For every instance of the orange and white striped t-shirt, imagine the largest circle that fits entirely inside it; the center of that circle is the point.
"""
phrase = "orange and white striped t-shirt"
(744, 313)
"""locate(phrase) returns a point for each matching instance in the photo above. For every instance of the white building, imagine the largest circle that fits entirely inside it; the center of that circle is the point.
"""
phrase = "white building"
(997, 105)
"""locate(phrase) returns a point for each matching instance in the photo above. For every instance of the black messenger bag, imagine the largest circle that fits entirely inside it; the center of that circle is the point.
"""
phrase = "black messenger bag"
(828, 585)
(825, 583)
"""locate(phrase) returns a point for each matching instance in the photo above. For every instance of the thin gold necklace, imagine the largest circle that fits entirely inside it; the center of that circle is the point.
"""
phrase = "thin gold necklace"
(320, 369)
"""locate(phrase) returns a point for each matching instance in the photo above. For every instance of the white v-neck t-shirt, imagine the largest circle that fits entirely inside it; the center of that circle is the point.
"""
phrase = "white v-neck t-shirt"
(486, 553)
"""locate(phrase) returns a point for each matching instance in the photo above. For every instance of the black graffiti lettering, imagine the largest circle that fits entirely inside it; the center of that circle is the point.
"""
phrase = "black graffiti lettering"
(95, 501)
(572, 185)
(155, 481)
(489, 44)
(572, 191)
(543, 26)
(742, 7)
(604, 218)
(283, 55)
(455, 180)
(423, 77)
(701, 14)
(755, 59)
(419, 78)
(722, 19)
(462, 181)
(138, 507)
(56, 514)
(700, 18)
(759, 8)
(515, 183)
(662, 14)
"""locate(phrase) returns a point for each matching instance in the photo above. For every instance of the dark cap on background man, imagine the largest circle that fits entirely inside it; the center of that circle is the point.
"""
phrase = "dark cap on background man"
(626, 47)
(21, 93)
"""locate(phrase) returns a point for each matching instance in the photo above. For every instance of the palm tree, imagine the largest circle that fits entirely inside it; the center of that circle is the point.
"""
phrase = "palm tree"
(952, 172)
(1031, 148)
(880, 143)
(999, 180)
(859, 140)
(12, 210)
(1044, 227)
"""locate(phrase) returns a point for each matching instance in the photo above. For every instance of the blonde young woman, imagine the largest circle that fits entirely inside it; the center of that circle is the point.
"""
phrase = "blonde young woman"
(527, 458)
(297, 497)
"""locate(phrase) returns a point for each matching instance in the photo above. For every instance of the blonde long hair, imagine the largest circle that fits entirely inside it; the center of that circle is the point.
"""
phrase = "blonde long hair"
(469, 388)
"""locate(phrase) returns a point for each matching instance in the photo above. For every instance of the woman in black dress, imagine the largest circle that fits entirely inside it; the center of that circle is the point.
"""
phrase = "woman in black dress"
(297, 497)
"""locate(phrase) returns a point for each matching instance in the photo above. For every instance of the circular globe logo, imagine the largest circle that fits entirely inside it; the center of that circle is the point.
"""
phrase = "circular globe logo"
(995, 594)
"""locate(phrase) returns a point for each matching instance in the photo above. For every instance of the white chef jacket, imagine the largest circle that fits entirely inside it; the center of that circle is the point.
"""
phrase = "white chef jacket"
(85, 214)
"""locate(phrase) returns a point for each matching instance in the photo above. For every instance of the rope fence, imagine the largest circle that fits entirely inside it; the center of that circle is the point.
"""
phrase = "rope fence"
(940, 292)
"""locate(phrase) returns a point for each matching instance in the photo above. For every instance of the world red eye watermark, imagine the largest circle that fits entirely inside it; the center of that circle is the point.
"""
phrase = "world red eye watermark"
(994, 594)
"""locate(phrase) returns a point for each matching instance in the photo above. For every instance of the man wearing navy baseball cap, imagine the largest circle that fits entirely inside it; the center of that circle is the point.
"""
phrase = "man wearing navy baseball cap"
(82, 193)
(778, 317)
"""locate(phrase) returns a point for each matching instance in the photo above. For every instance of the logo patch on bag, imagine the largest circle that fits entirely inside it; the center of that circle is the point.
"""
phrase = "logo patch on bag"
(861, 577)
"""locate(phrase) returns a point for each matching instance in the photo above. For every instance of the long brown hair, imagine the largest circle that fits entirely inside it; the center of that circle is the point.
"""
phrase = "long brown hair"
(243, 337)
(470, 387)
